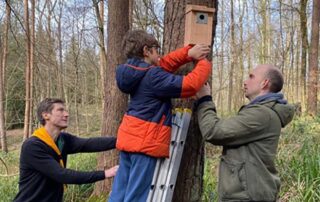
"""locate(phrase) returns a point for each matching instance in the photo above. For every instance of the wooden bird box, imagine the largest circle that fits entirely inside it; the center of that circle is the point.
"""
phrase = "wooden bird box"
(198, 25)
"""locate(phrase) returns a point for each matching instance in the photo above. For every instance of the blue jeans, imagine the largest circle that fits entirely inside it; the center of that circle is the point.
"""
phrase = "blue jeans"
(133, 179)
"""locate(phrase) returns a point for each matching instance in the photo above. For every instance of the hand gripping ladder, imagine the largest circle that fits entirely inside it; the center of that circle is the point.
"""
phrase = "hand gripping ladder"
(166, 171)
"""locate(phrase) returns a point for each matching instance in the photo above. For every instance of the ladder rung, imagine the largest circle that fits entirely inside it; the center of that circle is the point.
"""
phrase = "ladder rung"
(164, 179)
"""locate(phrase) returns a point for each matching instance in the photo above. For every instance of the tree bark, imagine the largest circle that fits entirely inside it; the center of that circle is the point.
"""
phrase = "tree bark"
(32, 48)
(115, 102)
(240, 54)
(231, 71)
(313, 60)
(298, 82)
(304, 48)
(61, 89)
(99, 9)
(3, 136)
(27, 72)
(220, 67)
(189, 183)
(265, 50)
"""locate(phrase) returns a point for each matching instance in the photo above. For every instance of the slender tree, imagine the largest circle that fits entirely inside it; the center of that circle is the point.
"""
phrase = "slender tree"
(99, 9)
(313, 60)
(193, 155)
(32, 48)
(264, 31)
(58, 19)
(233, 49)
(115, 102)
(304, 47)
(240, 55)
(2, 78)
(27, 114)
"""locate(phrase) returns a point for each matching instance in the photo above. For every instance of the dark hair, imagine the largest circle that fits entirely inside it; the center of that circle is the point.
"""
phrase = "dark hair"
(134, 41)
(276, 80)
(46, 105)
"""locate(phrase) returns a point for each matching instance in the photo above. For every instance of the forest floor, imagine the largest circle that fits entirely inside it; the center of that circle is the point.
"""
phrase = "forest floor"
(14, 138)
(297, 162)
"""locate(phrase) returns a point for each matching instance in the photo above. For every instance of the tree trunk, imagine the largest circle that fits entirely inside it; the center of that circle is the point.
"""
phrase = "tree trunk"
(3, 136)
(131, 8)
(240, 55)
(298, 83)
(76, 49)
(304, 48)
(221, 66)
(264, 31)
(189, 183)
(281, 38)
(2, 92)
(27, 72)
(231, 71)
(58, 20)
(50, 67)
(99, 9)
(32, 48)
(115, 102)
(292, 56)
(313, 60)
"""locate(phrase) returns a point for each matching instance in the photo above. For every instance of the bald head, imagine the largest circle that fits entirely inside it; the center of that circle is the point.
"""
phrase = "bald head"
(263, 79)
(274, 76)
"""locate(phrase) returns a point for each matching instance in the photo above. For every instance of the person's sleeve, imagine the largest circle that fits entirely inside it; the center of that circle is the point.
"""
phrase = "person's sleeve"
(172, 61)
(40, 160)
(165, 84)
(193, 81)
(237, 130)
(75, 144)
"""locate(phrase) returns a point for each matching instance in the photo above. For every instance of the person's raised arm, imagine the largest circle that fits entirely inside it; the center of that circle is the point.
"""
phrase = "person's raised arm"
(165, 84)
(172, 61)
(239, 129)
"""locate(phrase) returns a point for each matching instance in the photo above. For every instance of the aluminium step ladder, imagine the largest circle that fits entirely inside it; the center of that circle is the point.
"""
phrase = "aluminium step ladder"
(166, 171)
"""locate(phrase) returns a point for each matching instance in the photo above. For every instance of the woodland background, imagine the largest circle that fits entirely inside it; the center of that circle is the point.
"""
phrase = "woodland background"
(70, 48)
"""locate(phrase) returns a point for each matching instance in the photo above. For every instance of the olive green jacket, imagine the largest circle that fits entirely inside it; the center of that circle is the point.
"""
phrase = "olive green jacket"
(250, 139)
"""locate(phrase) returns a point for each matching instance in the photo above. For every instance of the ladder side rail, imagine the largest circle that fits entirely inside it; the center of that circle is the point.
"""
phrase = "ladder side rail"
(174, 169)
(161, 183)
(163, 164)
(154, 180)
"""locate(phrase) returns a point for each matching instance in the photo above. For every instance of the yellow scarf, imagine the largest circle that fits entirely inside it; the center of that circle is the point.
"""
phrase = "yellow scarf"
(44, 136)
